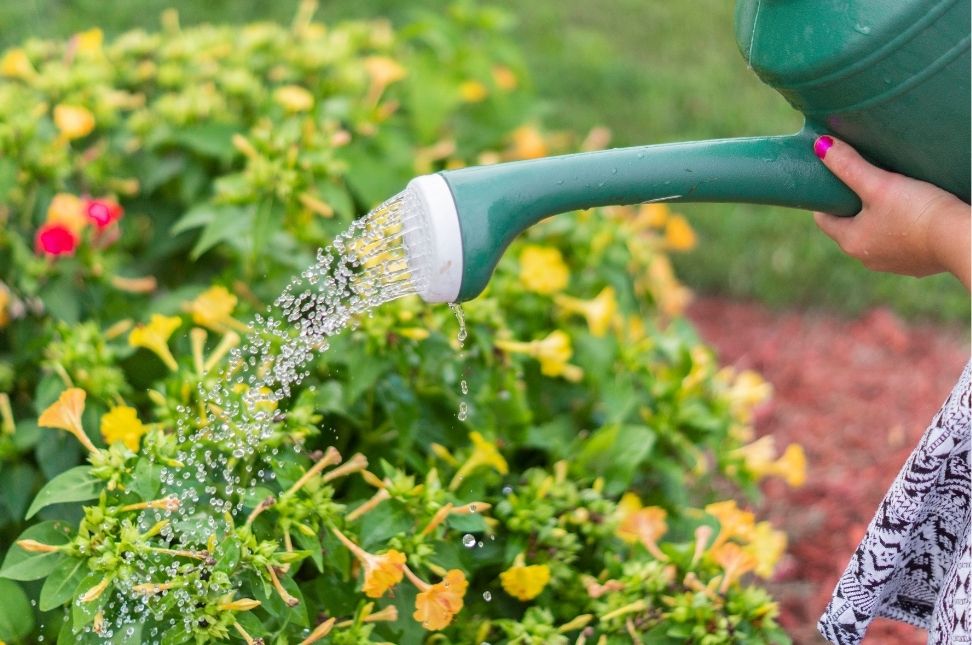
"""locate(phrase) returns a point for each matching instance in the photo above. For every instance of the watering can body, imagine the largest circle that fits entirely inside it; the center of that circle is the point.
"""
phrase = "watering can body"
(891, 77)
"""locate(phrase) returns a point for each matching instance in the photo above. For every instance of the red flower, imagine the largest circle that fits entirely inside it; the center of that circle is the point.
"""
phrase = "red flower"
(102, 212)
(56, 239)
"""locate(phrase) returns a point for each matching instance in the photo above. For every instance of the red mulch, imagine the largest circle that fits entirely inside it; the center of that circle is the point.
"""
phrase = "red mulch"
(857, 394)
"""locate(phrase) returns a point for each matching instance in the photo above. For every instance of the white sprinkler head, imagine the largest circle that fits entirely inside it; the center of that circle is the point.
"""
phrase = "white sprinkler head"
(433, 239)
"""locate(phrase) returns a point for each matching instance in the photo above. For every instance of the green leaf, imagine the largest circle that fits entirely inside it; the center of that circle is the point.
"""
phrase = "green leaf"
(26, 435)
(146, 480)
(8, 178)
(208, 139)
(62, 299)
(26, 565)
(82, 613)
(196, 217)
(127, 633)
(62, 583)
(17, 484)
(471, 523)
(75, 485)
(313, 547)
(615, 452)
(230, 222)
(330, 397)
(386, 520)
(362, 374)
(16, 615)
(57, 452)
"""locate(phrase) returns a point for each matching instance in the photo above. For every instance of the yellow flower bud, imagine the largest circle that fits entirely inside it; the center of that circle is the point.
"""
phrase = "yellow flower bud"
(15, 64)
(74, 121)
(293, 98)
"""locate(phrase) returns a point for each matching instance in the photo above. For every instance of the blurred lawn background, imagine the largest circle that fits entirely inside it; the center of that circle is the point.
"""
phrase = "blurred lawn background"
(652, 71)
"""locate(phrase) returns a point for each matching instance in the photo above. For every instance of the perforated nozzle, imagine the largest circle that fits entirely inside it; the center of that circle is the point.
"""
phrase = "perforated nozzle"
(433, 239)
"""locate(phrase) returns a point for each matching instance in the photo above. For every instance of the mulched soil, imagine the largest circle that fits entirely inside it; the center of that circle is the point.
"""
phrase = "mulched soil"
(857, 394)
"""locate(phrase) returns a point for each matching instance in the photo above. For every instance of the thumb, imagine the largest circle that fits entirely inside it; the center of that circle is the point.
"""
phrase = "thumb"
(833, 226)
(850, 167)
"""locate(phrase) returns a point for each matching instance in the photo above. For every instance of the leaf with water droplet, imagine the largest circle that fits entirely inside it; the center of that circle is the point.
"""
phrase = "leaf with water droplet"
(28, 565)
(61, 584)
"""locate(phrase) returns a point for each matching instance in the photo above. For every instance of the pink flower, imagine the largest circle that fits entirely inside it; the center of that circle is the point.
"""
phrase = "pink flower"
(102, 212)
(56, 239)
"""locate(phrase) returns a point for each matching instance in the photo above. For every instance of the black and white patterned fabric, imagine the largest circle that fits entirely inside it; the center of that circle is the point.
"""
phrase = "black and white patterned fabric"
(913, 564)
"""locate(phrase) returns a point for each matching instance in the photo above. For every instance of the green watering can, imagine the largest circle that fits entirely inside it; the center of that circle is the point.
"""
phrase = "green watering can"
(891, 77)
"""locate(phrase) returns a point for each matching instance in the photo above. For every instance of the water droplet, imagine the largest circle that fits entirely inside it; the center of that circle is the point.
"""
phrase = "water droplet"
(468, 541)
(487, 596)
(507, 490)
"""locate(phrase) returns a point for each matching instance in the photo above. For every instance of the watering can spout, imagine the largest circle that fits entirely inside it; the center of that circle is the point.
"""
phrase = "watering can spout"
(890, 78)
(472, 214)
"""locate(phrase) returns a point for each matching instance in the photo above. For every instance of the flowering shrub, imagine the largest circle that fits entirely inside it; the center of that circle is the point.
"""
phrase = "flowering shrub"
(546, 479)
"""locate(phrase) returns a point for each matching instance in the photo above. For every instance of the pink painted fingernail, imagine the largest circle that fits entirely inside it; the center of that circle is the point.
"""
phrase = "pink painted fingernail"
(822, 145)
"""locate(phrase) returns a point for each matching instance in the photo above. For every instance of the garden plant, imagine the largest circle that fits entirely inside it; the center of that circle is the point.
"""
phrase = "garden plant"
(553, 463)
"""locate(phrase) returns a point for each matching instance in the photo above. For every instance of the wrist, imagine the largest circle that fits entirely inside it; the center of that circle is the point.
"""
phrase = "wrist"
(949, 234)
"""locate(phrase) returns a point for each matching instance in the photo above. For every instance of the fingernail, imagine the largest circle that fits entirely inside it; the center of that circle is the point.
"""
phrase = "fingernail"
(822, 145)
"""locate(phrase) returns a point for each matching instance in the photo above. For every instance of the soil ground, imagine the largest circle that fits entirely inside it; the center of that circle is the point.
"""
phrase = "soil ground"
(858, 395)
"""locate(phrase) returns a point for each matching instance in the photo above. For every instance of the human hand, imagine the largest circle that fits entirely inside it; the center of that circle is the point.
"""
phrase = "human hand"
(905, 226)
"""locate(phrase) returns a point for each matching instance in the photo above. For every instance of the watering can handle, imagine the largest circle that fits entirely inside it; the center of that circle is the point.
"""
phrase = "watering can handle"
(496, 203)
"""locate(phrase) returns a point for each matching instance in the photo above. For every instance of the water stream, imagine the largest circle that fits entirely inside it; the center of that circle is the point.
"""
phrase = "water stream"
(363, 268)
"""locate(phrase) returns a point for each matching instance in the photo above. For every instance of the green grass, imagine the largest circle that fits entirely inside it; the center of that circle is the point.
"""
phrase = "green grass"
(651, 71)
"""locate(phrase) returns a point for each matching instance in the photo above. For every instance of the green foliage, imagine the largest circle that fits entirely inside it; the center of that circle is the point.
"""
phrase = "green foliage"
(539, 481)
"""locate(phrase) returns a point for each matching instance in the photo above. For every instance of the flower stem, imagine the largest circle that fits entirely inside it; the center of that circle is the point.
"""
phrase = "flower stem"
(331, 457)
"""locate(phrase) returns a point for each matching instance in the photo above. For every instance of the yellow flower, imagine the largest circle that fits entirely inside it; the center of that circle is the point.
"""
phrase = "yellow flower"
(760, 459)
(542, 269)
(525, 582)
(381, 572)
(484, 453)
(74, 121)
(645, 525)
(504, 78)
(473, 91)
(767, 546)
(436, 605)
(121, 424)
(746, 391)
(651, 216)
(552, 352)
(528, 143)
(88, 42)
(670, 296)
(65, 414)
(413, 333)
(733, 521)
(293, 98)
(213, 308)
(641, 524)
(383, 72)
(599, 312)
(15, 64)
(155, 337)
(734, 561)
(792, 465)
(68, 210)
(679, 236)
